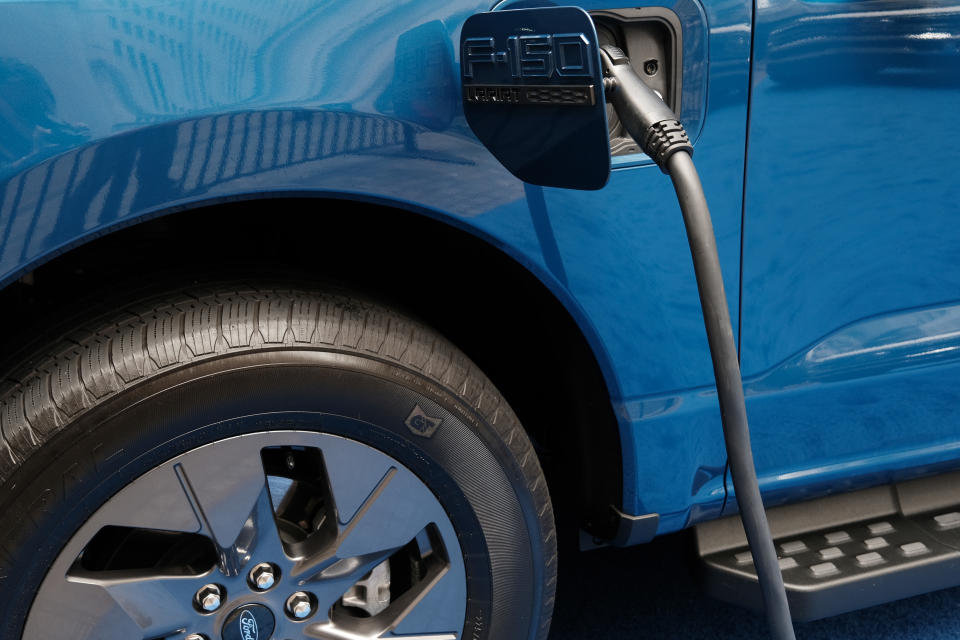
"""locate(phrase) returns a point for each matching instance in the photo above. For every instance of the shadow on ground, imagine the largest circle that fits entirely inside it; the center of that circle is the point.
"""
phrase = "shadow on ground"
(651, 592)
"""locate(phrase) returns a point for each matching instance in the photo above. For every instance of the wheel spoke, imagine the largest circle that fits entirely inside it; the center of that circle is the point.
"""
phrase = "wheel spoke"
(326, 631)
(396, 510)
(427, 611)
(153, 501)
(158, 604)
(331, 583)
(258, 540)
(81, 612)
(353, 472)
(232, 503)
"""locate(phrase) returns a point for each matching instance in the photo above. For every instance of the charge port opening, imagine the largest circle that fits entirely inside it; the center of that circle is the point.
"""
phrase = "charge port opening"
(652, 38)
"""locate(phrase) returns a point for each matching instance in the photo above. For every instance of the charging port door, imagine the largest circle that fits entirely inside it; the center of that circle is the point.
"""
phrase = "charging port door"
(533, 94)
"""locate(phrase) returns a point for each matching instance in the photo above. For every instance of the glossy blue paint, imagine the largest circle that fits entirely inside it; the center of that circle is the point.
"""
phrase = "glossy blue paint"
(850, 264)
(135, 109)
(880, 391)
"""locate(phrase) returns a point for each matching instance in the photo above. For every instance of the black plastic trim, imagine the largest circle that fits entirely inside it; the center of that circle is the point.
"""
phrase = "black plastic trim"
(633, 530)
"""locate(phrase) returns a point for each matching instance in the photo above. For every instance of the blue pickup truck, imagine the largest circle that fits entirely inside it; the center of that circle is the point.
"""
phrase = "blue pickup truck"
(266, 299)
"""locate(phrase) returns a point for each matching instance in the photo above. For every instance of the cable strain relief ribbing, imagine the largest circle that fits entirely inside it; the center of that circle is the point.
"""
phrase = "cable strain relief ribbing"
(663, 139)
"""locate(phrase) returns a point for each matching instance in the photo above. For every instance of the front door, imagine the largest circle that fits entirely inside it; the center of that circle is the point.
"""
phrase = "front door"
(851, 253)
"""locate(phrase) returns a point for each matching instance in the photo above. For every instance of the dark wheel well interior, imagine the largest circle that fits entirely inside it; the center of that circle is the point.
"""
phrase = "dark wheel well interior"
(503, 317)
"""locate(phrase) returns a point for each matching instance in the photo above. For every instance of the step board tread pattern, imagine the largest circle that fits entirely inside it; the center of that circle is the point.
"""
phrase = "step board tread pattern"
(861, 564)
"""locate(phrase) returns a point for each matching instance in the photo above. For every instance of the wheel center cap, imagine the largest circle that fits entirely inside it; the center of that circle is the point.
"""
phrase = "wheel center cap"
(249, 622)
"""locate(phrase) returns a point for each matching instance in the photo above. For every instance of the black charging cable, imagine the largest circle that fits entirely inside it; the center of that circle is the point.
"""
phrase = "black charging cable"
(661, 136)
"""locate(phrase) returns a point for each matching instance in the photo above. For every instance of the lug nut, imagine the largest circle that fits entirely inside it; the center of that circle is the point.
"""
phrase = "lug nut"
(299, 605)
(263, 576)
(209, 598)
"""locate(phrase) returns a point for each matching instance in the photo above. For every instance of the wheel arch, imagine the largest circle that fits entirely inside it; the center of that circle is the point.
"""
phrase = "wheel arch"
(492, 303)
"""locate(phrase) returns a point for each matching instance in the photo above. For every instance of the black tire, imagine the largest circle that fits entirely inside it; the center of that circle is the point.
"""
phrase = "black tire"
(178, 371)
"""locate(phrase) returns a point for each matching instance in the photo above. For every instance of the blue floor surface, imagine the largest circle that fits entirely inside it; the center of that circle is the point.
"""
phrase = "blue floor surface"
(651, 592)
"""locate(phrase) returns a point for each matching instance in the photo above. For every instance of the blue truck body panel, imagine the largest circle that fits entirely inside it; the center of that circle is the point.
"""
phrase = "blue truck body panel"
(115, 111)
(850, 259)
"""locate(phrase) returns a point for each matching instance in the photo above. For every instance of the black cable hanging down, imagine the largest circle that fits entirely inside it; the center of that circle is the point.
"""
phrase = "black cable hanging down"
(656, 129)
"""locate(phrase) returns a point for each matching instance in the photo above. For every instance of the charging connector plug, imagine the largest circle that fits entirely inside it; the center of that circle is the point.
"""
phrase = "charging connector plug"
(643, 113)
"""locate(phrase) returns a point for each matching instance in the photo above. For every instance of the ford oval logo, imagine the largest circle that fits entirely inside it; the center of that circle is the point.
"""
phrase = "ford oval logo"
(249, 622)
(248, 626)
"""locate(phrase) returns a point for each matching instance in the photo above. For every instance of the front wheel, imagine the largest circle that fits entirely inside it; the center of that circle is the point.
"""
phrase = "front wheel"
(262, 464)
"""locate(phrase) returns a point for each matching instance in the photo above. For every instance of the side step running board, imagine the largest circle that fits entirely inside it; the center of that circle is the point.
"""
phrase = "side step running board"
(848, 551)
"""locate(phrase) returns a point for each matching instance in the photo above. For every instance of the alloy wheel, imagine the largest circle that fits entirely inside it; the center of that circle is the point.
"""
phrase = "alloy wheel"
(275, 534)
